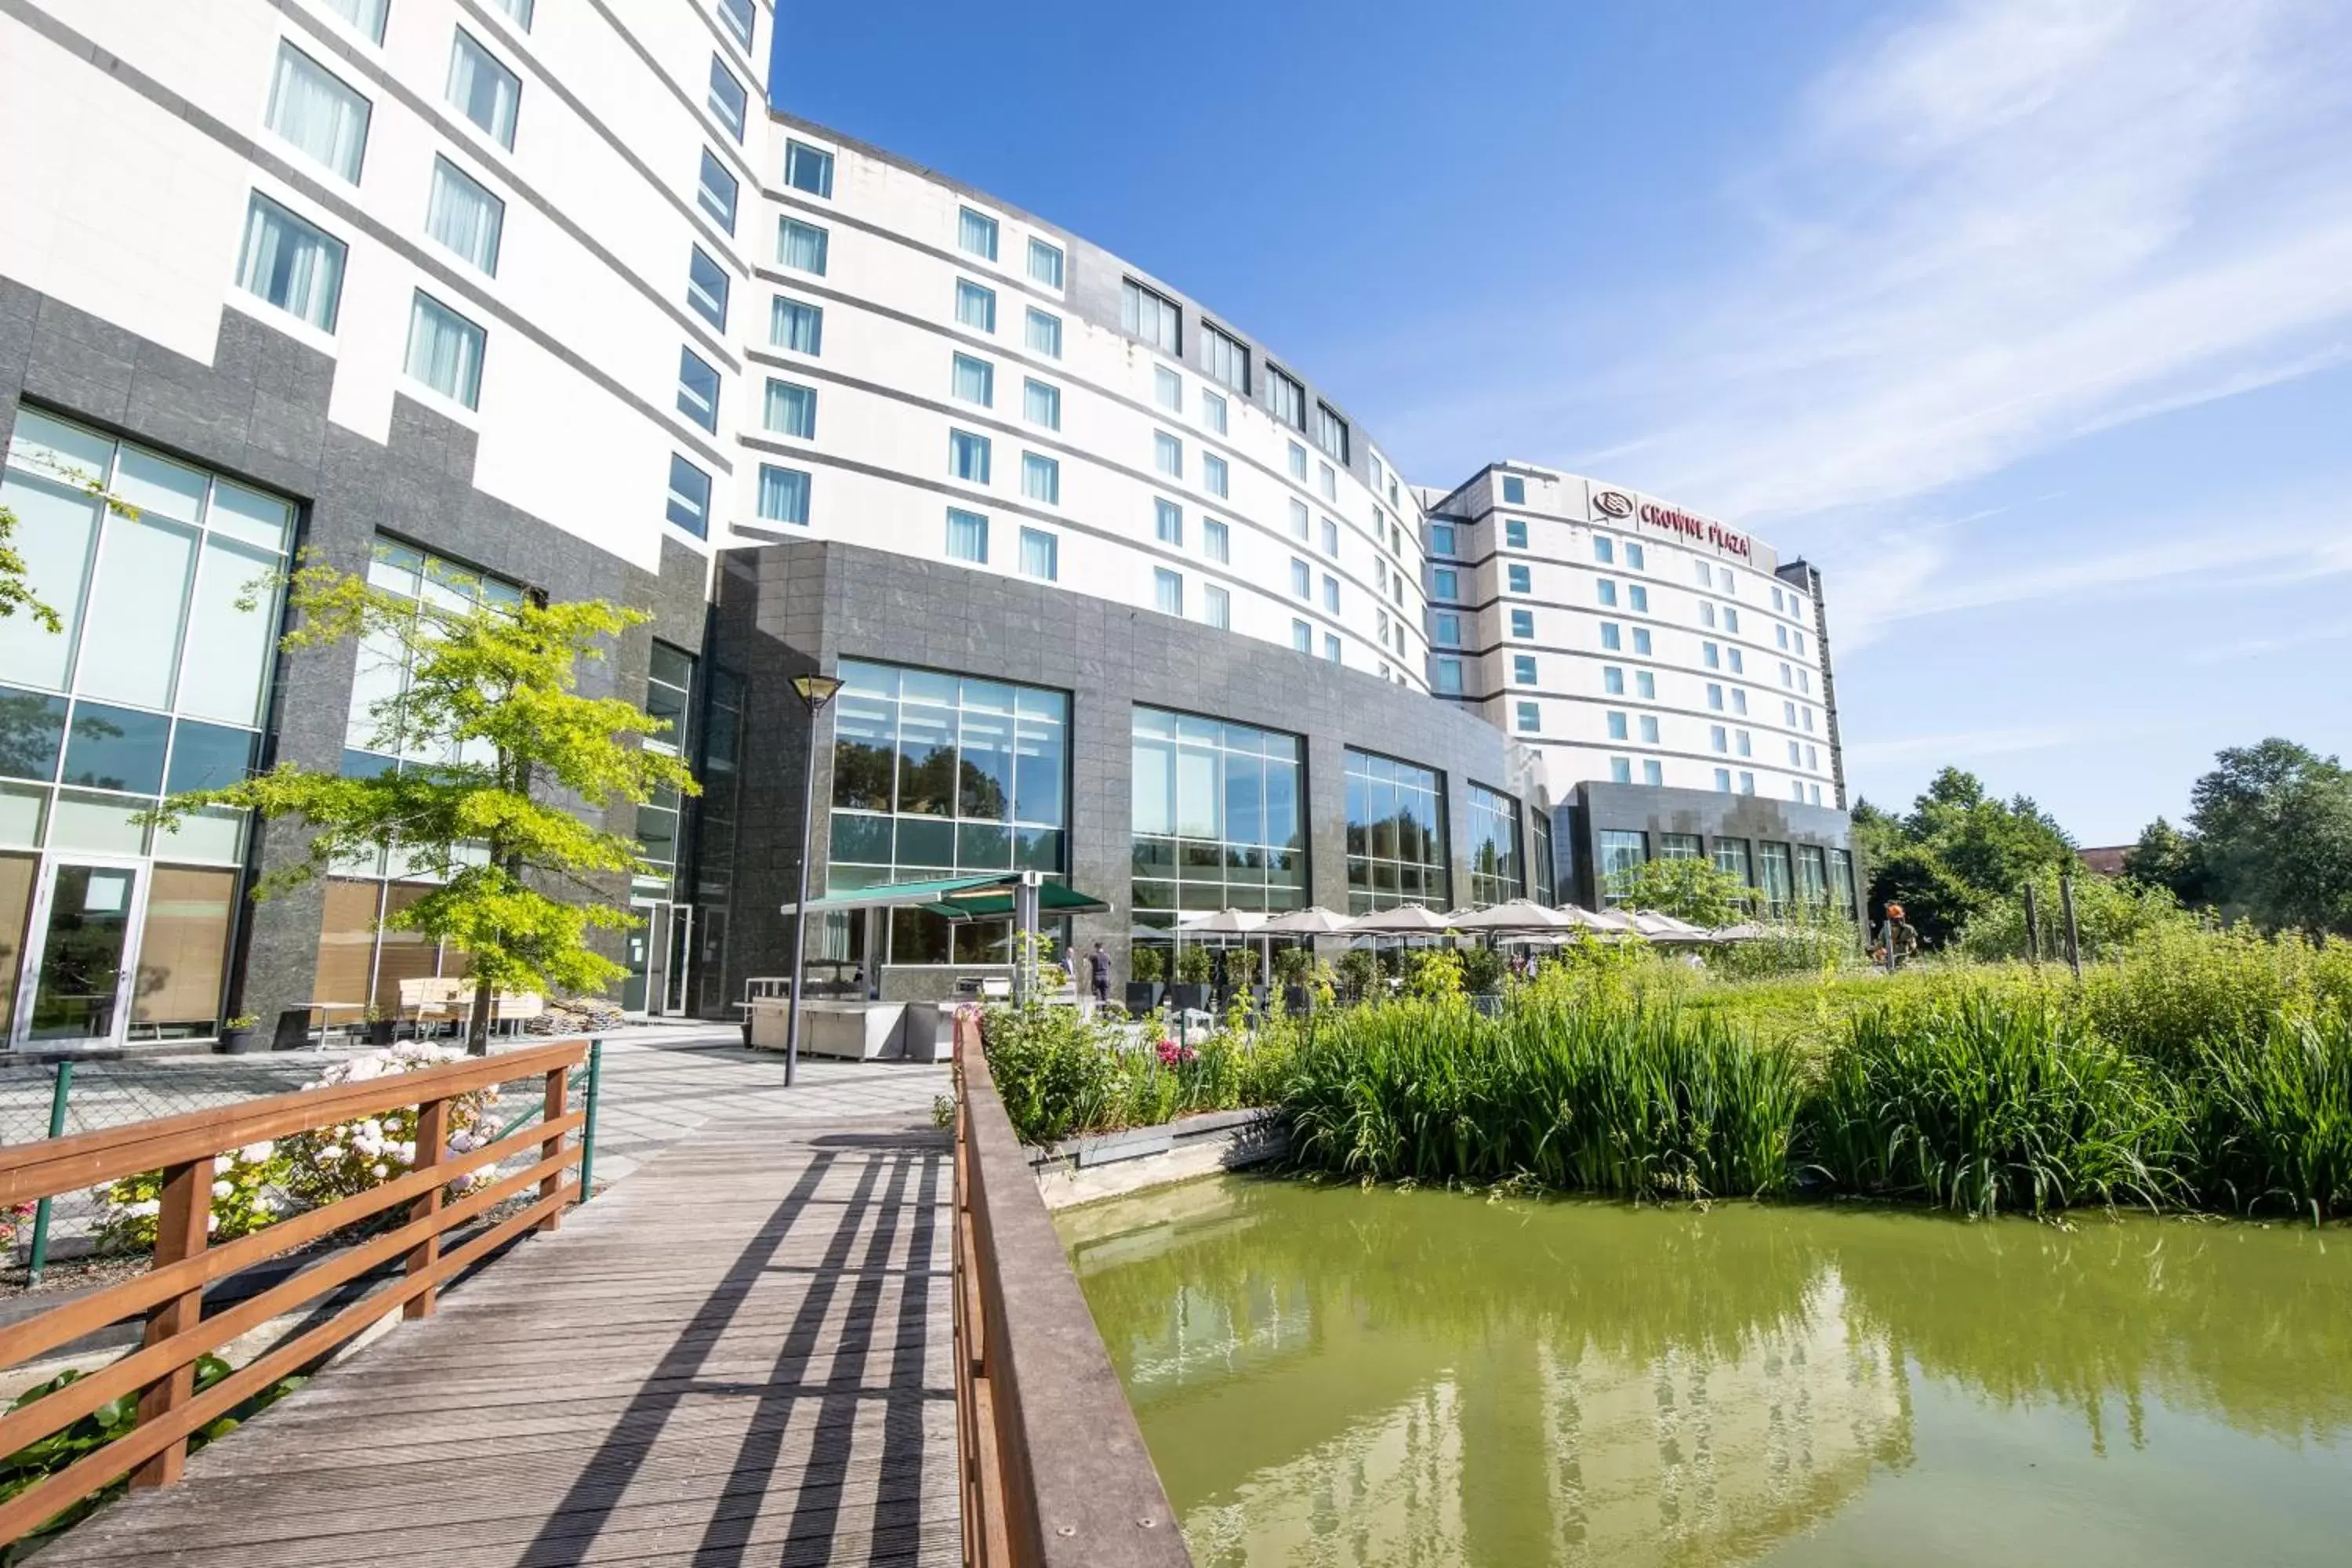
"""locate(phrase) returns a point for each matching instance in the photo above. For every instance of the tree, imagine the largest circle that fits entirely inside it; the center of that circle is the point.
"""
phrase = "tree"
(2269, 837)
(1688, 888)
(2168, 858)
(493, 692)
(1959, 849)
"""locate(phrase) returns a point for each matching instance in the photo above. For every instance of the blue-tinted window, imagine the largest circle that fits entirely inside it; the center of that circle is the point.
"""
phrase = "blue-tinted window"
(690, 497)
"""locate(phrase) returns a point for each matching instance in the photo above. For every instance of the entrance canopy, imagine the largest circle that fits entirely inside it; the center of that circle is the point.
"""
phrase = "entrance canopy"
(991, 897)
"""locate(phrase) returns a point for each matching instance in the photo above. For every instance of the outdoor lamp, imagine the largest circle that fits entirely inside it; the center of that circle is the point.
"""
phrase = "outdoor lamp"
(815, 690)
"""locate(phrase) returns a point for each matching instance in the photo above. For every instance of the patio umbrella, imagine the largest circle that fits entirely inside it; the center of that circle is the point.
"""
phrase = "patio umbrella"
(1405, 920)
(1517, 915)
(1223, 923)
(1746, 931)
(1313, 921)
(1666, 929)
(1603, 922)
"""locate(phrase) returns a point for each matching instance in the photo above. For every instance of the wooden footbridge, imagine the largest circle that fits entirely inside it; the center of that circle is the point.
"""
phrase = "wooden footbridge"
(799, 1342)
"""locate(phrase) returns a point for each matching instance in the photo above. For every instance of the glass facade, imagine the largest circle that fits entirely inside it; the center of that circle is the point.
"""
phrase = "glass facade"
(1842, 881)
(1813, 877)
(661, 821)
(1681, 847)
(1731, 855)
(1396, 835)
(1218, 817)
(1497, 863)
(157, 683)
(1775, 877)
(936, 774)
(1620, 852)
(1543, 880)
(372, 740)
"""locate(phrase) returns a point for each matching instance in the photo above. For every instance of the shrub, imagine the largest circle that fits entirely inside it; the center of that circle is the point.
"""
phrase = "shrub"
(1358, 969)
(1147, 963)
(1192, 965)
(2110, 915)
(1482, 968)
(1060, 1076)
(1982, 1101)
(1434, 972)
(2274, 1120)
(332, 1162)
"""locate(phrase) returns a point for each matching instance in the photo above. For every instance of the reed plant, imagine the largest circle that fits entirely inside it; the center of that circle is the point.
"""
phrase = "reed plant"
(2273, 1119)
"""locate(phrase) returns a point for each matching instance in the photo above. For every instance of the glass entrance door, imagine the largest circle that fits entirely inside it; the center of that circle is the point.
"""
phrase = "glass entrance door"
(674, 994)
(75, 984)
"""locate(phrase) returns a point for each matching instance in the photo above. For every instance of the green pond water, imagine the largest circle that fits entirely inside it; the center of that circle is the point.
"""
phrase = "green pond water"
(1332, 1375)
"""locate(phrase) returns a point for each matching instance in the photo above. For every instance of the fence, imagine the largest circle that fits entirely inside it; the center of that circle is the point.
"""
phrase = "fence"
(184, 1148)
(1054, 1470)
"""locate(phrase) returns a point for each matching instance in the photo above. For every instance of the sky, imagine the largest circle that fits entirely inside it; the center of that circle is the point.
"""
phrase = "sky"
(2029, 322)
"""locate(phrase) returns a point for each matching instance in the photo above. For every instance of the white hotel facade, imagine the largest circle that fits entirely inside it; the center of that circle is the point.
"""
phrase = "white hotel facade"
(503, 296)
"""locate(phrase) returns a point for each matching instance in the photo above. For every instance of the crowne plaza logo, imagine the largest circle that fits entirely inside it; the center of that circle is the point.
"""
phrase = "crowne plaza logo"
(1612, 503)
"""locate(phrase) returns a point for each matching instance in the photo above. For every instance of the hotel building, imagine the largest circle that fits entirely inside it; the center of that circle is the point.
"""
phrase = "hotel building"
(490, 298)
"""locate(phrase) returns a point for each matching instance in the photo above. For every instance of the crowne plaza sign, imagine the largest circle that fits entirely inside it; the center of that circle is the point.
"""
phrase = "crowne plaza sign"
(1619, 505)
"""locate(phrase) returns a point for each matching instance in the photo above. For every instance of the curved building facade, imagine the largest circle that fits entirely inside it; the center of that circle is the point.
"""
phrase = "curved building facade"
(489, 299)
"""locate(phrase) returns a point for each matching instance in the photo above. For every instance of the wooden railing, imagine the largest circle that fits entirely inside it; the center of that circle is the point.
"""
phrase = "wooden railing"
(1053, 1468)
(162, 1372)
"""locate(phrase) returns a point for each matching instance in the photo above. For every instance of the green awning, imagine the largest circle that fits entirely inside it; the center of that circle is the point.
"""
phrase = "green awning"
(988, 897)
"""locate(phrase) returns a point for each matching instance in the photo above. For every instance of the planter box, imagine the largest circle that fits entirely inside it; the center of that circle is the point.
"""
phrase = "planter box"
(1188, 998)
(1079, 1170)
(1296, 1000)
(1142, 996)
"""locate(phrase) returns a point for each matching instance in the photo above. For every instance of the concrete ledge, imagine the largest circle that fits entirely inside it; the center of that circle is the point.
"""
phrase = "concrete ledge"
(1107, 1165)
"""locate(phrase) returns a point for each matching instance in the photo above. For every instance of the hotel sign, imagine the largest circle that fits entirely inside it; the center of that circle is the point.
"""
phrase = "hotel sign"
(1620, 506)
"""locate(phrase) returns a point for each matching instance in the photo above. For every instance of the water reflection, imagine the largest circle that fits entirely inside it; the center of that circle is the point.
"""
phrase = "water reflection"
(1330, 1375)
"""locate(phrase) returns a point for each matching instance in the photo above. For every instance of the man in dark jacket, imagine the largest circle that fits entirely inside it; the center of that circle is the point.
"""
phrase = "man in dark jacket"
(1098, 971)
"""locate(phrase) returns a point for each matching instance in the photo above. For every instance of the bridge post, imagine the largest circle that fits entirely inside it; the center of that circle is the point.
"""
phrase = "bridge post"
(559, 1094)
(183, 1226)
(432, 1149)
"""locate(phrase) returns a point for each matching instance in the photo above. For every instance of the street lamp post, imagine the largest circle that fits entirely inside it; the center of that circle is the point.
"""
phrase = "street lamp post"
(815, 690)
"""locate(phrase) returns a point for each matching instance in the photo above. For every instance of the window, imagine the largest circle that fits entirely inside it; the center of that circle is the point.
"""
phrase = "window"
(1604, 550)
(803, 246)
(1285, 399)
(1330, 537)
(690, 497)
(1620, 727)
(1235, 793)
(1229, 358)
(1042, 405)
(789, 409)
(737, 16)
(1608, 592)
(1641, 641)
(1739, 700)
(1723, 575)
(1746, 783)
(1521, 580)
(314, 112)
(1611, 635)
(1302, 637)
(796, 326)
(1710, 655)
(976, 231)
(1613, 681)
(1330, 592)
(1212, 412)
(1523, 623)
(483, 91)
(293, 266)
(1041, 478)
(1449, 677)
(1441, 538)
(706, 287)
(1635, 560)
(1168, 453)
(716, 192)
(1706, 577)
(1781, 634)
(974, 381)
(1812, 758)
(1297, 459)
(1719, 738)
(1789, 715)
(1148, 314)
(1515, 490)
(1217, 541)
(783, 494)
(808, 168)
(1041, 555)
(967, 536)
(1738, 666)
(1808, 714)
(1715, 696)
(1741, 742)
(1706, 613)
(1045, 334)
(1331, 432)
(1523, 669)
(726, 99)
(1638, 598)
(1796, 755)
(464, 217)
(1531, 717)
(1217, 607)
(975, 307)
(1298, 520)
(1302, 580)
(1167, 389)
(1045, 263)
(1327, 482)
(1654, 771)
(1621, 770)
(444, 351)
(698, 389)
(968, 456)
(1786, 678)
(1446, 583)
(1214, 475)
(519, 9)
(1168, 523)
(1646, 685)
(1331, 646)
(1446, 628)
(367, 16)
(1514, 534)
(1723, 780)
(1649, 728)
(1167, 591)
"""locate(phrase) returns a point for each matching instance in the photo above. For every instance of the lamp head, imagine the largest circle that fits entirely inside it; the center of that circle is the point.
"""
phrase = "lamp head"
(816, 690)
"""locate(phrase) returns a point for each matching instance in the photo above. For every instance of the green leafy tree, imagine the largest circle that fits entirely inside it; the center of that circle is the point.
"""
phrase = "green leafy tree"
(1957, 850)
(2166, 857)
(2271, 830)
(493, 690)
(1688, 888)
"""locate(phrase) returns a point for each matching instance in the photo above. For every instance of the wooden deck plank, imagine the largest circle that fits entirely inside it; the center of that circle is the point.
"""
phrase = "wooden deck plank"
(743, 1351)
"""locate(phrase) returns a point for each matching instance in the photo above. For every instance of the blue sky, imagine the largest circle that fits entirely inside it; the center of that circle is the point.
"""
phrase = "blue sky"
(2030, 322)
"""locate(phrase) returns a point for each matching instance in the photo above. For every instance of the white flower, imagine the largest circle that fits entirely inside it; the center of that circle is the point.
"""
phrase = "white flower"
(360, 1068)
(143, 1206)
(406, 1153)
(331, 1153)
(254, 1153)
(371, 1127)
(381, 1172)
(224, 1189)
(212, 1223)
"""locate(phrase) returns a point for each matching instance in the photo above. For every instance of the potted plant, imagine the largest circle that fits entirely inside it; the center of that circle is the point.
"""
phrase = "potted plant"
(381, 1025)
(1482, 970)
(1241, 975)
(1190, 992)
(1291, 967)
(1359, 971)
(236, 1035)
(1147, 966)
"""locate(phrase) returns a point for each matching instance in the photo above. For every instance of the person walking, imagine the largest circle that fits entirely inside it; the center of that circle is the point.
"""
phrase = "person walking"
(1098, 971)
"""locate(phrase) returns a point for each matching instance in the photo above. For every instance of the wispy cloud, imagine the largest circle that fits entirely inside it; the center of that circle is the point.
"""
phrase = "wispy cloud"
(2283, 642)
(1961, 746)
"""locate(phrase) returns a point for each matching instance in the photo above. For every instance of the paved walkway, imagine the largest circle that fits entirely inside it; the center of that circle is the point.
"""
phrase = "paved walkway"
(739, 1352)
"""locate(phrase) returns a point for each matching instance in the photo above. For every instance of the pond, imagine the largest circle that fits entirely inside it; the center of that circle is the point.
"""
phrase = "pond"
(1334, 1375)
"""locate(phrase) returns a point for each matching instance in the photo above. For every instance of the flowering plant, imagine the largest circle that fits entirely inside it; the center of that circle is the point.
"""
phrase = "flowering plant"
(247, 1196)
(1173, 1054)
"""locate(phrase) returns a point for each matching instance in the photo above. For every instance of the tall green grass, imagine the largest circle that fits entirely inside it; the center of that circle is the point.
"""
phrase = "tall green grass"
(2273, 1119)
